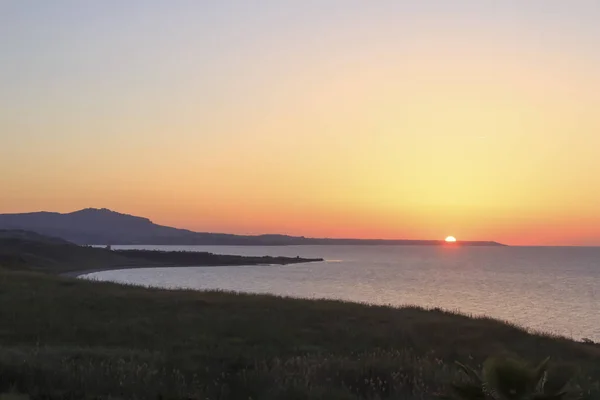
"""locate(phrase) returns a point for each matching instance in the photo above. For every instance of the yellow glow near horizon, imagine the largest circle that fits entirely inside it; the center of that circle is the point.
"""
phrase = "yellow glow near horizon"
(450, 239)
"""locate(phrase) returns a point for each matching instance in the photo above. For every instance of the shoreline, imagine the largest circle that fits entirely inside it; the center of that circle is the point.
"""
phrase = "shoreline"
(78, 274)
(435, 309)
(160, 340)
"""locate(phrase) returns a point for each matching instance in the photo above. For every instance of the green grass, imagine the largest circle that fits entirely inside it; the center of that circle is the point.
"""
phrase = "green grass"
(65, 338)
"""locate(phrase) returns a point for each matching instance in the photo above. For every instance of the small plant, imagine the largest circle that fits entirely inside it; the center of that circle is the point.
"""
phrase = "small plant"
(510, 379)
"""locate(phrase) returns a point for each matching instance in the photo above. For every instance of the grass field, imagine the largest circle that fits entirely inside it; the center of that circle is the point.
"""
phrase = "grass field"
(66, 338)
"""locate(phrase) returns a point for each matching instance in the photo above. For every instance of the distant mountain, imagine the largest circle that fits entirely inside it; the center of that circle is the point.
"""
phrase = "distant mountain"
(103, 226)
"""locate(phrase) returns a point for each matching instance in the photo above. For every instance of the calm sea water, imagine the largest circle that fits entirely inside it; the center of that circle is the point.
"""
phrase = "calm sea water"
(550, 289)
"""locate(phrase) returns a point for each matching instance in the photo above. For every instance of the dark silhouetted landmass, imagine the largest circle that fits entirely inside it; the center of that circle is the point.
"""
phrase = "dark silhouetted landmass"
(190, 258)
(32, 251)
(102, 226)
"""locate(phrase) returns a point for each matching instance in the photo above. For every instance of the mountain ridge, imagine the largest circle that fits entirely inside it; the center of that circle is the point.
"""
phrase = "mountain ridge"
(96, 226)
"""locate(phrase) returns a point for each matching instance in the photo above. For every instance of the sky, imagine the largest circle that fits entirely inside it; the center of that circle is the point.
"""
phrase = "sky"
(327, 118)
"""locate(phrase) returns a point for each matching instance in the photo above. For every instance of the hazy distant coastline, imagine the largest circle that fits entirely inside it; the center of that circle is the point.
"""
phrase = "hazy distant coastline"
(102, 226)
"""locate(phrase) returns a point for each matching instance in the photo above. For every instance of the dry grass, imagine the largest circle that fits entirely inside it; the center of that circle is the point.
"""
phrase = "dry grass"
(67, 339)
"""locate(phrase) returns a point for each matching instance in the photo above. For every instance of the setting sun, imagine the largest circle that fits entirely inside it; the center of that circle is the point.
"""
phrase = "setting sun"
(451, 239)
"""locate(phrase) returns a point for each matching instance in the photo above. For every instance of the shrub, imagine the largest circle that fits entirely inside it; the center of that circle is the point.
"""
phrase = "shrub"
(504, 378)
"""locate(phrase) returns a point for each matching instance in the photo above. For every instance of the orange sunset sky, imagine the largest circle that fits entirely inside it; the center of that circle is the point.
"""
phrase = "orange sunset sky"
(337, 118)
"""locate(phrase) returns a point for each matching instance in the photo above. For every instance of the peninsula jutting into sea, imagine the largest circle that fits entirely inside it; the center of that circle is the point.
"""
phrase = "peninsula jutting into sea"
(92, 226)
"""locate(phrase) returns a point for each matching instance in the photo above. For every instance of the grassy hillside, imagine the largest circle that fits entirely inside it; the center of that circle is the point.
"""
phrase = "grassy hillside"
(64, 338)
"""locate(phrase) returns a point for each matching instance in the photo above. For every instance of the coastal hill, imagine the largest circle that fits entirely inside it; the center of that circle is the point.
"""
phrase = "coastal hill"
(102, 226)
(22, 250)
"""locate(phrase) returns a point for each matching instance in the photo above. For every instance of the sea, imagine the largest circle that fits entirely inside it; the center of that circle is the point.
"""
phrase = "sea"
(544, 289)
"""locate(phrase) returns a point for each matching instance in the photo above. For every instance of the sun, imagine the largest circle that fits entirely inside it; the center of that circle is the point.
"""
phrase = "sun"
(450, 239)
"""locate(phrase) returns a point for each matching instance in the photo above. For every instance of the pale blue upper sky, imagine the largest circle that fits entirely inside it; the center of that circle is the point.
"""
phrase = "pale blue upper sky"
(102, 47)
(118, 50)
